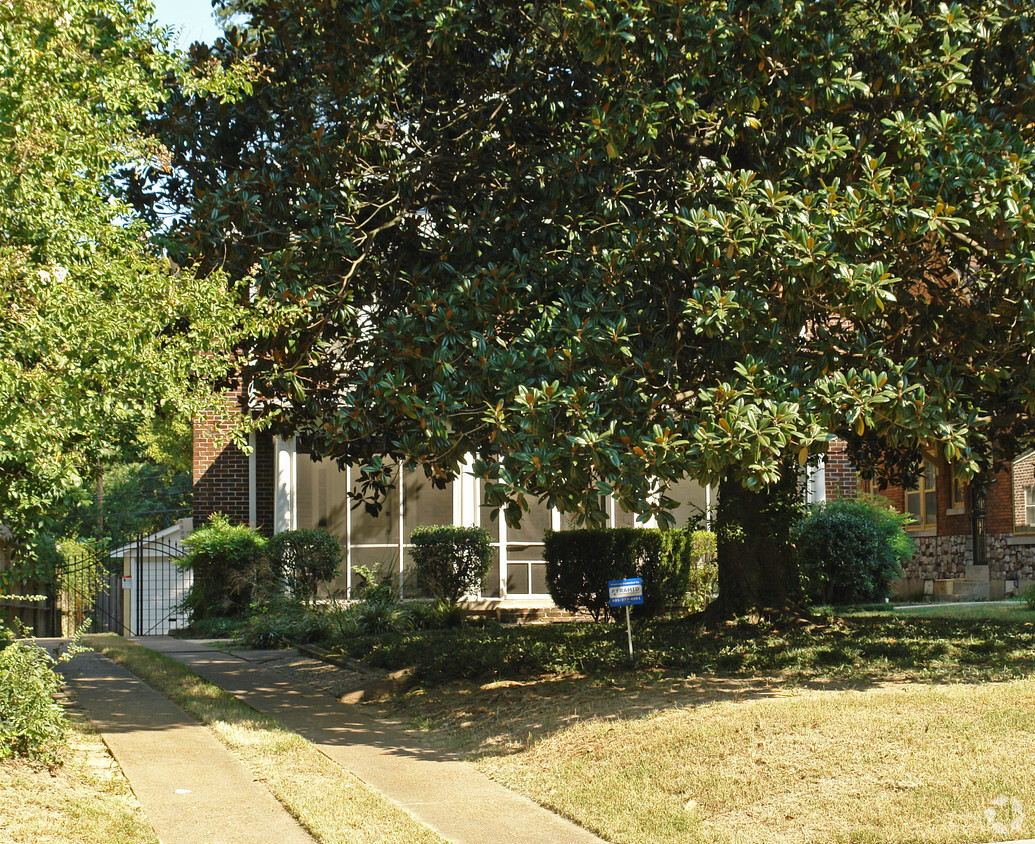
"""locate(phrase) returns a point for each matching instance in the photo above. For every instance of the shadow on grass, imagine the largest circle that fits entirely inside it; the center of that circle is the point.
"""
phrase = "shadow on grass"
(493, 690)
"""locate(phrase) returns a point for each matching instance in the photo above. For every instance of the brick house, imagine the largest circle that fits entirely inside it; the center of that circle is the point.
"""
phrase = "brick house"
(969, 546)
(278, 487)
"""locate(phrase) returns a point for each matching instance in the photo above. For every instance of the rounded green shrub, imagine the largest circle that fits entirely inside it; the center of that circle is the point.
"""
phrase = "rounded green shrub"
(451, 561)
(230, 567)
(851, 550)
(306, 559)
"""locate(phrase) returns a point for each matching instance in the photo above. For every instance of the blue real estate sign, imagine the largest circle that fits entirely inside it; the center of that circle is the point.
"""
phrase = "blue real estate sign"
(625, 593)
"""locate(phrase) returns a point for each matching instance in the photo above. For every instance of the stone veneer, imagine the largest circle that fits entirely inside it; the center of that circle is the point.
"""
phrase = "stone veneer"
(939, 557)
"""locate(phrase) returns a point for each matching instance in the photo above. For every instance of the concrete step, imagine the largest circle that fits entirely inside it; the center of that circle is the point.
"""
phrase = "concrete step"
(976, 574)
(971, 590)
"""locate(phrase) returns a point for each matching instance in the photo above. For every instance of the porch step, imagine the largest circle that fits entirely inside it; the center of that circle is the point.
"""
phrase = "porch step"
(976, 574)
(535, 615)
(974, 586)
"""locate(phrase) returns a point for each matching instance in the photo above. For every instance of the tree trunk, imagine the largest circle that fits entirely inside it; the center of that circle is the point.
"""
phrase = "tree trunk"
(758, 571)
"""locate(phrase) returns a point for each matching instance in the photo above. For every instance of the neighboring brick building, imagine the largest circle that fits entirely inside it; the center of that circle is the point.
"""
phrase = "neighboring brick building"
(950, 525)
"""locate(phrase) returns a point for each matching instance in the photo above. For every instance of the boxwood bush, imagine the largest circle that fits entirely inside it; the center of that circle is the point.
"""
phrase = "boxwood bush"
(306, 559)
(579, 563)
(851, 550)
(451, 561)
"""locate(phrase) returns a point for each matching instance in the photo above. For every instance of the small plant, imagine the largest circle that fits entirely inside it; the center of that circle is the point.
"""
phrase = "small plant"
(32, 723)
(451, 561)
(230, 569)
(374, 618)
(306, 559)
(852, 549)
(1029, 597)
(438, 615)
(283, 624)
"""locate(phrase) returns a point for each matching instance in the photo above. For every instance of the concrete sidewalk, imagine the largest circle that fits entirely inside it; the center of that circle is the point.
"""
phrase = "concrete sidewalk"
(190, 786)
(453, 798)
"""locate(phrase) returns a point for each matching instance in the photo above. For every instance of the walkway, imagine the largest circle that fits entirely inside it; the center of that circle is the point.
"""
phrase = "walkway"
(452, 797)
(184, 778)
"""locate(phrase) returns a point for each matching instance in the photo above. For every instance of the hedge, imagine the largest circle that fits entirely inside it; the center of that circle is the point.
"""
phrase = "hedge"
(579, 564)
(451, 561)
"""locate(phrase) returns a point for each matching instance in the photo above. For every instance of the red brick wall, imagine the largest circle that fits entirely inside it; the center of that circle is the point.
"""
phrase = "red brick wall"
(841, 479)
(1023, 477)
(220, 468)
(999, 503)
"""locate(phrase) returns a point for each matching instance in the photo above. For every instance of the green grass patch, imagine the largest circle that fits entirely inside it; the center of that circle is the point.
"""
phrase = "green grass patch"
(863, 646)
(1013, 611)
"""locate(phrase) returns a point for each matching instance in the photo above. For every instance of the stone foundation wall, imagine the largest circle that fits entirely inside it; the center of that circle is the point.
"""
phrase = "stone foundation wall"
(939, 557)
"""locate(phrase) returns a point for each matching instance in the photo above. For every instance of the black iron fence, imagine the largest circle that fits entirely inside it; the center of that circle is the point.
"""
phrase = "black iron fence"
(135, 589)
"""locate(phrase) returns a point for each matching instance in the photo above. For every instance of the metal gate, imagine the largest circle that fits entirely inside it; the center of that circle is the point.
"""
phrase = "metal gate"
(134, 590)
(89, 594)
(158, 585)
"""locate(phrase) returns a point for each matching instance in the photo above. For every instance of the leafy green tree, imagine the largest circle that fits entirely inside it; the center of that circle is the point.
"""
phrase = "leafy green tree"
(99, 333)
(602, 246)
(137, 499)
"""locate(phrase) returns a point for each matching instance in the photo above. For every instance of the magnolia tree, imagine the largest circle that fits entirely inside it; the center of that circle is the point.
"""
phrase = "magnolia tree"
(604, 247)
(99, 334)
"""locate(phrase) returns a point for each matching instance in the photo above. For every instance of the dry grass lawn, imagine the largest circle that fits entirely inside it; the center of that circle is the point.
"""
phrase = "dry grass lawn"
(84, 801)
(716, 760)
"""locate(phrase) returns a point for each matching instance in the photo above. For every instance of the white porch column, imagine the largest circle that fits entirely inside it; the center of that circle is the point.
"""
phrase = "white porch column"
(816, 483)
(285, 513)
(253, 507)
(465, 496)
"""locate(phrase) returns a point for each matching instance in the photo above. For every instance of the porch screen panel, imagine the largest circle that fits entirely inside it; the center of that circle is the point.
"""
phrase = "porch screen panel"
(382, 529)
(322, 498)
(692, 501)
(491, 586)
(383, 562)
(623, 518)
(424, 503)
(526, 569)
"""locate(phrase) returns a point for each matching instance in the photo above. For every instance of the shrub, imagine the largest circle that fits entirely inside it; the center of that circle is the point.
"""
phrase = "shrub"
(306, 559)
(703, 576)
(32, 723)
(230, 568)
(451, 561)
(1029, 597)
(579, 564)
(283, 624)
(851, 549)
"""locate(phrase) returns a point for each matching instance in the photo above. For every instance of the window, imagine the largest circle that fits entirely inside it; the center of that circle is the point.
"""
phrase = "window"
(922, 499)
(959, 491)
(1029, 506)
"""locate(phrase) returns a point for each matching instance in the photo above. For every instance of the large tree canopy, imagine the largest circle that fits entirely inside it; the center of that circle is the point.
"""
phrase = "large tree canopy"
(99, 336)
(605, 245)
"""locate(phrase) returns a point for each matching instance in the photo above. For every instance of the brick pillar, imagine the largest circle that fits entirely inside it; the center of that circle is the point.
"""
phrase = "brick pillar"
(220, 471)
(841, 480)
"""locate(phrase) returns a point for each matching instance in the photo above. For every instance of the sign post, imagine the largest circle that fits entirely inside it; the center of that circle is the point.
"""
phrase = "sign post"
(626, 593)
